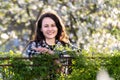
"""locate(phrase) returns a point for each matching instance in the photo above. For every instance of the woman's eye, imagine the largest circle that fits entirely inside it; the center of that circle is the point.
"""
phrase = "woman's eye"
(45, 26)
(53, 25)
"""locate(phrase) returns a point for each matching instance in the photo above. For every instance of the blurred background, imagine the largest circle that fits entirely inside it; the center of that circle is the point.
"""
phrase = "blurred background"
(93, 25)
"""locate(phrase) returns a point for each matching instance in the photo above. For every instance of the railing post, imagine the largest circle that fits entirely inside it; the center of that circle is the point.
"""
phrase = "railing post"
(66, 61)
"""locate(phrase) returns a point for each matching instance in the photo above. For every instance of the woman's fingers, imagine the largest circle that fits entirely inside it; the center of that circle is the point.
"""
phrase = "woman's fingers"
(44, 50)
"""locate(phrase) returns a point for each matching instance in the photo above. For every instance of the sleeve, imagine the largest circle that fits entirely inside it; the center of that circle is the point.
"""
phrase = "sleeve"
(29, 50)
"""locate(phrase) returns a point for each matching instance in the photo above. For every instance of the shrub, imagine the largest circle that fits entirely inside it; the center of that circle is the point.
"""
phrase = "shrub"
(84, 66)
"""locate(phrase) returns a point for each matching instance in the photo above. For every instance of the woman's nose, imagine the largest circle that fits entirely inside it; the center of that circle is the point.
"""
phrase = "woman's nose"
(49, 28)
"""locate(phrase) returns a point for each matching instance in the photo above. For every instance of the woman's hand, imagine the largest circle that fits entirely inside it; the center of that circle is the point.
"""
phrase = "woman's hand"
(44, 50)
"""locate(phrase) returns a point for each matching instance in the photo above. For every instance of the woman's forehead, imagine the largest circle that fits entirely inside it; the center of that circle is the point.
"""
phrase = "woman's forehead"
(48, 20)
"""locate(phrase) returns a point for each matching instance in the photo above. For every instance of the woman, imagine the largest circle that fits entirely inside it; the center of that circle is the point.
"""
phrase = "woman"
(50, 35)
(50, 32)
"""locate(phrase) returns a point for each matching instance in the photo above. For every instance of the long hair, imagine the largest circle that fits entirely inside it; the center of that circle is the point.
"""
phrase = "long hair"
(61, 35)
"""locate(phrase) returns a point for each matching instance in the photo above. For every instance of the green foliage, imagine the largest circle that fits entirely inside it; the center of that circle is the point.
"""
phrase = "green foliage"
(83, 69)
(20, 69)
(46, 68)
(39, 67)
(84, 66)
(116, 32)
(114, 66)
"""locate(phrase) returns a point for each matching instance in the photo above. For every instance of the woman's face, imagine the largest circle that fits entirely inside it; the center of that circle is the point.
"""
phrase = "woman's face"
(49, 28)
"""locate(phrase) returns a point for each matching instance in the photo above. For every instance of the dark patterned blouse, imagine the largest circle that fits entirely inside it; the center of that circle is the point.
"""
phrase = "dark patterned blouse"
(59, 45)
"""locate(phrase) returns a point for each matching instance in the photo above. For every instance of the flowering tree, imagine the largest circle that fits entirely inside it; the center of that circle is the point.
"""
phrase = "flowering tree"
(91, 24)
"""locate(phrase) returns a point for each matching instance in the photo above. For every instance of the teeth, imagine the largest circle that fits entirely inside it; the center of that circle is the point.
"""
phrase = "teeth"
(50, 33)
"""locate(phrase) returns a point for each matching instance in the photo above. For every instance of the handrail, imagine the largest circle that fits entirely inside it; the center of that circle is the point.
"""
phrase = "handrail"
(30, 58)
(7, 58)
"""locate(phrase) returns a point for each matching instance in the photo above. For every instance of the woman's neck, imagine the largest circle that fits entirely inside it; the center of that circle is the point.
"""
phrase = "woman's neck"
(50, 41)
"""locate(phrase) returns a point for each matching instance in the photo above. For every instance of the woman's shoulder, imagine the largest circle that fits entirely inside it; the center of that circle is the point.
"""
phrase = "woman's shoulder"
(62, 43)
(31, 42)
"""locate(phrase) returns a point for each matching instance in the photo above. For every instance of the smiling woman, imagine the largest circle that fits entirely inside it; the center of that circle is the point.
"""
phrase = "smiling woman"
(49, 33)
